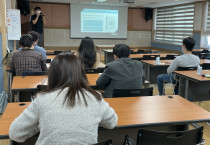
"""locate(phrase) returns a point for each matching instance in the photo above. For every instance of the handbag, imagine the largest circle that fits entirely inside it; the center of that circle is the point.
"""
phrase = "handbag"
(3, 101)
(6, 60)
(128, 141)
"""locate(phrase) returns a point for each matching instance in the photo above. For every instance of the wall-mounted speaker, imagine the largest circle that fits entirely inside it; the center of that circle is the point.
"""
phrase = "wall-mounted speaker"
(23, 5)
(148, 14)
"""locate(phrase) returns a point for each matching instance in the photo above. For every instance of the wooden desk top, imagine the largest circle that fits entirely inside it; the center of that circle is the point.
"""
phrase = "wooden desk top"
(192, 74)
(197, 50)
(52, 51)
(134, 111)
(51, 56)
(31, 82)
(161, 55)
(111, 46)
(153, 62)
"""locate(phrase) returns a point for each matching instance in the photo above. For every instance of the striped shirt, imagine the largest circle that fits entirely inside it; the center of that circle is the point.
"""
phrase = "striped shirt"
(27, 60)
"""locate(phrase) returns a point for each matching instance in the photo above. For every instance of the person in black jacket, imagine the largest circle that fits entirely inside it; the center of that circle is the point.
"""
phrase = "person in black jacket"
(123, 73)
(38, 20)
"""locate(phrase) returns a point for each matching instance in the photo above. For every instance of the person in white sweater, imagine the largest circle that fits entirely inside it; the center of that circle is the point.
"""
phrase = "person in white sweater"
(185, 60)
(68, 112)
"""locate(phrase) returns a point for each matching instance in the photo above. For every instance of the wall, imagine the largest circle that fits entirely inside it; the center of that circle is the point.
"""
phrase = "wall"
(57, 29)
(196, 33)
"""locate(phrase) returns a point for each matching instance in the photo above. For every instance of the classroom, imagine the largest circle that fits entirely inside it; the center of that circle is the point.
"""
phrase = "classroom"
(104, 72)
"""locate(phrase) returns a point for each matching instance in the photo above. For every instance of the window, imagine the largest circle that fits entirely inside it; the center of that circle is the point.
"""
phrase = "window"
(174, 23)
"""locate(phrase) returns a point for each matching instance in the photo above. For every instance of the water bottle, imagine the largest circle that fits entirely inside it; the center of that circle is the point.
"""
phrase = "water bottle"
(158, 60)
(199, 70)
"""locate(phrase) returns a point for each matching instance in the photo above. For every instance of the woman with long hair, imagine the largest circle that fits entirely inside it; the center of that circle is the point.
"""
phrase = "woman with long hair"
(87, 53)
(68, 111)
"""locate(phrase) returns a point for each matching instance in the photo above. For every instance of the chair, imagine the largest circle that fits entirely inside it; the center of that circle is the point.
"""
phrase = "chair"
(140, 52)
(34, 73)
(206, 66)
(150, 57)
(48, 60)
(170, 57)
(205, 55)
(197, 53)
(41, 87)
(132, 52)
(205, 51)
(176, 77)
(132, 92)
(92, 71)
(186, 68)
(187, 137)
(57, 52)
(105, 142)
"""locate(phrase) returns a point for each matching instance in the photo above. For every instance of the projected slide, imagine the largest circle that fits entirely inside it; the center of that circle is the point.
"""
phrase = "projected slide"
(99, 20)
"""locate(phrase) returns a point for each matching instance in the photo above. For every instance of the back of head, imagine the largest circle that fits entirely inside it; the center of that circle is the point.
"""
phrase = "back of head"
(34, 35)
(66, 72)
(189, 43)
(121, 50)
(87, 53)
(26, 41)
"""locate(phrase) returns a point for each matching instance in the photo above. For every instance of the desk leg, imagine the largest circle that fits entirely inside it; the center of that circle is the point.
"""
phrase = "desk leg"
(148, 71)
(8, 75)
(186, 89)
(18, 96)
(180, 86)
(11, 142)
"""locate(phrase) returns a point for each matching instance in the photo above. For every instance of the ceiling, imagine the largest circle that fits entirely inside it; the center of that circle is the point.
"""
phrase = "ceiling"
(138, 3)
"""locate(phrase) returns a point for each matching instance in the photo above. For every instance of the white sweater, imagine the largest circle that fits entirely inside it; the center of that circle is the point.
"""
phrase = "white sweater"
(60, 124)
(186, 60)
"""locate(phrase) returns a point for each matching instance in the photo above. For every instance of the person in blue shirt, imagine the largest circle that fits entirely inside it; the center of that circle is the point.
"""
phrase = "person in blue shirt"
(37, 48)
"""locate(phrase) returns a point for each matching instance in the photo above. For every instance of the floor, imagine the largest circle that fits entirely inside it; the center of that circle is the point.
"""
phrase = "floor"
(205, 105)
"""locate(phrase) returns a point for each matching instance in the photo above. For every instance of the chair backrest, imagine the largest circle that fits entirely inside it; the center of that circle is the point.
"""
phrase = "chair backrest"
(205, 51)
(34, 73)
(205, 55)
(48, 60)
(57, 52)
(41, 87)
(150, 57)
(140, 52)
(197, 53)
(98, 70)
(132, 92)
(170, 57)
(206, 66)
(188, 137)
(186, 68)
(132, 52)
(105, 142)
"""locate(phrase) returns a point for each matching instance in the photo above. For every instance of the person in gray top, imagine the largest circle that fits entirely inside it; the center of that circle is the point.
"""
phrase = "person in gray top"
(68, 112)
(185, 60)
(37, 48)
(123, 73)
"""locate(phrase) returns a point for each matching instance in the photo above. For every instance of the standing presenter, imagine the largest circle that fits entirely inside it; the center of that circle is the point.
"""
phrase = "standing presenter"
(38, 21)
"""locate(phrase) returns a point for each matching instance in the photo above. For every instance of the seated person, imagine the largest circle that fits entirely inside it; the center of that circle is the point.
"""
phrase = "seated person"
(68, 112)
(123, 73)
(37, 48)
(27, 60)
(87, 54)
(185, 60)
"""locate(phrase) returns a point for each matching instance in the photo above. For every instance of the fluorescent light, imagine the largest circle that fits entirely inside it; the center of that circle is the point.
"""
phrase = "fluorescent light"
(101, 1)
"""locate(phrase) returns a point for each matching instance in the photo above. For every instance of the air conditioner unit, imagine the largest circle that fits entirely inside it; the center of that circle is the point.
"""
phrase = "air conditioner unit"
(128, 1)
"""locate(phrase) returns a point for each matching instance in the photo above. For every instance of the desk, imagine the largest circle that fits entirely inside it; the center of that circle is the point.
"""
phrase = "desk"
(30, 83)
(141, 55)
(133, 113)
(51, 56)
(197, 87)
(109, 56)
(49, 52)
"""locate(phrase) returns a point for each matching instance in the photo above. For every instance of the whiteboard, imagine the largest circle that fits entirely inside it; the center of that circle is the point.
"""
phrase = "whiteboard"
(13, 24)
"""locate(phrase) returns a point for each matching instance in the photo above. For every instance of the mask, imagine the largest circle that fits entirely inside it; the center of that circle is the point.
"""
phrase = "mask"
(38, 12)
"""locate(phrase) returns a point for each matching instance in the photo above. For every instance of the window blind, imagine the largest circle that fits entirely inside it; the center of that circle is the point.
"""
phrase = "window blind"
(174, 23)
(208, 19)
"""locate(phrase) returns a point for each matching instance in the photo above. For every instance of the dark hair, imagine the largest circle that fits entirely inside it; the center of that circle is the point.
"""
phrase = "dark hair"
(87, 52)
(189, 43)
(26, 41)
(121, 50)
(37, 8)
(34, 35)
(66, 72)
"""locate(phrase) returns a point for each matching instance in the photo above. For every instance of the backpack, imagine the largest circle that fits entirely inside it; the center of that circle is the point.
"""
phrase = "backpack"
(6, 60)
(3, 101)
